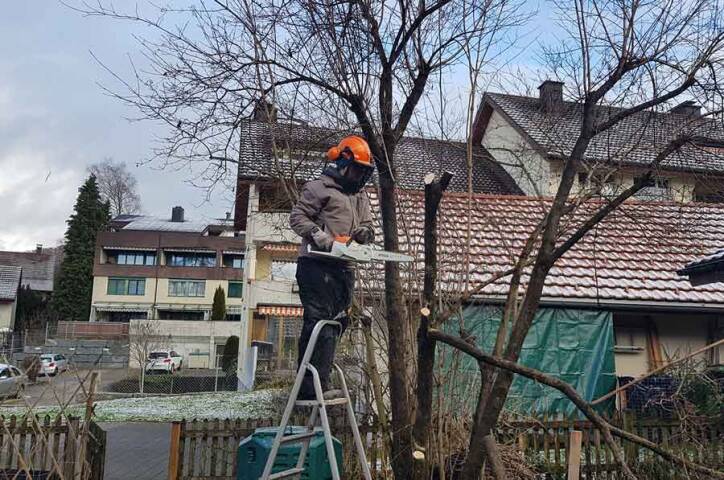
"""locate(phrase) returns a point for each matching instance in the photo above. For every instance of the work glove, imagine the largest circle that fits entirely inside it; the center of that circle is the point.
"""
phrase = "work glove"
(322, 240)
(363, 235)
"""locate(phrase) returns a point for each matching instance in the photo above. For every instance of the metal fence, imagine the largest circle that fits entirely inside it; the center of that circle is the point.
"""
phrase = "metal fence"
(180, 382)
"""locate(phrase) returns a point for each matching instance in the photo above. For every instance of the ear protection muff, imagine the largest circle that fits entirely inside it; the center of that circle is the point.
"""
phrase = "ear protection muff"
(333, 154)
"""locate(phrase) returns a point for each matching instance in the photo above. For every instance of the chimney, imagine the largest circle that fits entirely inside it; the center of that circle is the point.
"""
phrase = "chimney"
(177, 214)
(551, 95)
(265, 112)
(688, 108)
(228, 216)
(38, 248)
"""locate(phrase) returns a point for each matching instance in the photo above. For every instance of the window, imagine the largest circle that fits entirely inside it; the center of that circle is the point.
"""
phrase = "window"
(176, 259)
(235, 289)
(186, 288)
(283, 270)
(234, 260)
(132, 258)
(628, 339)
(126, 286)
(662, 183)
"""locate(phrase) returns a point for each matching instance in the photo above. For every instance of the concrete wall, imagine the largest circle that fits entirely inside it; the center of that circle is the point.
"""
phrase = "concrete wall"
(527, 167)
(187, 337)
(7, 315)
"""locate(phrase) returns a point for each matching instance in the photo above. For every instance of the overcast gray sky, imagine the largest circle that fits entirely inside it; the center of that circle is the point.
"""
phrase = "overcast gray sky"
(55, 121)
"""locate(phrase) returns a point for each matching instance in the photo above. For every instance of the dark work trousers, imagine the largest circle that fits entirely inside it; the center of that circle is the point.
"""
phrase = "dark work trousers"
(325, 288)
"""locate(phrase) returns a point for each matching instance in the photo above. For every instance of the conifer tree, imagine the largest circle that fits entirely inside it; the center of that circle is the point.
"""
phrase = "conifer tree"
(72, 295)
(218, 309)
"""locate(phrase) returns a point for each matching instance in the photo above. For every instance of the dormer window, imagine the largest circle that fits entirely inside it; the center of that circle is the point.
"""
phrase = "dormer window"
(656, 188)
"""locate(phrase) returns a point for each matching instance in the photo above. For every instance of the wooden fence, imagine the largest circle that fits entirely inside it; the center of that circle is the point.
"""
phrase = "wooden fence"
(91, 330)
(207, 449)
(51, 448)
(547, 444)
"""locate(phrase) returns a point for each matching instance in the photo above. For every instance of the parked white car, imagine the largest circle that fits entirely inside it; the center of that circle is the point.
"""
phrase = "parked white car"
(52, 364)
(167, 361)
(12, 381)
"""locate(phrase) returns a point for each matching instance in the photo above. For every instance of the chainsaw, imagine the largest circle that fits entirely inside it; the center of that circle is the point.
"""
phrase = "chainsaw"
(344, 248)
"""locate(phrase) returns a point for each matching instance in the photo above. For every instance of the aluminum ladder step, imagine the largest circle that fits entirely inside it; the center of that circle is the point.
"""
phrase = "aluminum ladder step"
(316, 403)
(298, 436)
(286, 473)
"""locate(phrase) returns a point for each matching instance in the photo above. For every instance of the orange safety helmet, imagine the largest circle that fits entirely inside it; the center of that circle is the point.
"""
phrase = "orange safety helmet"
(353, 148)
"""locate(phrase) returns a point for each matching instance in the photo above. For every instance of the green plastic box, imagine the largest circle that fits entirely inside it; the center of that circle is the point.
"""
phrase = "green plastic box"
(254, 450)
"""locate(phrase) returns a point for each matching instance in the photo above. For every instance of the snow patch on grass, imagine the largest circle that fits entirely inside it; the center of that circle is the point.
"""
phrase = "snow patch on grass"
(253, 405)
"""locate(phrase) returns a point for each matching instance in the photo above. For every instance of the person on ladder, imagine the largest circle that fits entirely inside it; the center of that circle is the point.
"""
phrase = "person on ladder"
(330, 207)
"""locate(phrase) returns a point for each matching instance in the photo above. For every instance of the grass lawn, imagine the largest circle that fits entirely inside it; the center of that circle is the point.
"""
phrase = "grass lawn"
(257, 404)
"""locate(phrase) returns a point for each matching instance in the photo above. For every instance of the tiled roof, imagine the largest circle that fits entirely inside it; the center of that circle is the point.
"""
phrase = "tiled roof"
(9, 282)
(414, 157)
(632, 256)
(633, 141)
(38, 268)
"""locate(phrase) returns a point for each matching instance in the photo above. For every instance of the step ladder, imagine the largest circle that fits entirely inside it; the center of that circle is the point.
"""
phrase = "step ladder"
(319, 409)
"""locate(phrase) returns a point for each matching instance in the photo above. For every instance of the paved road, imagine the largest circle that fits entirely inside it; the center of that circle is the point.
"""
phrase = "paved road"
(137, 451)
(48, 390)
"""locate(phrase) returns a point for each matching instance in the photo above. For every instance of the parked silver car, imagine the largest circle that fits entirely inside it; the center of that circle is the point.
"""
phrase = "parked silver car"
(12, 381)
(52, 364)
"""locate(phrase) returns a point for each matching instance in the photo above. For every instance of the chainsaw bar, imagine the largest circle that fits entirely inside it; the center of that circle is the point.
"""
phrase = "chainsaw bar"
(354, 252)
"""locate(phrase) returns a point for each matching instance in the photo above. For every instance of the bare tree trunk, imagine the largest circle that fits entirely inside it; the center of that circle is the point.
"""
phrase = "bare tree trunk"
(496, 464)
(398, 356)
(434, 190)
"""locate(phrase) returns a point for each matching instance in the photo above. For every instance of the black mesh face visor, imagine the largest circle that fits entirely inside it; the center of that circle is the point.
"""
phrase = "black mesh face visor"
(354, 182)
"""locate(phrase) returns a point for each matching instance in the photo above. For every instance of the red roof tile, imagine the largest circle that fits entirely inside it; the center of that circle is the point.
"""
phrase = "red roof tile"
(633, 255)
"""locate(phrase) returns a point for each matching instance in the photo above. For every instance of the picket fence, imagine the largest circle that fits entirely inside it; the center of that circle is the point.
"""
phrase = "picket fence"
(51, 448)
(206, 449)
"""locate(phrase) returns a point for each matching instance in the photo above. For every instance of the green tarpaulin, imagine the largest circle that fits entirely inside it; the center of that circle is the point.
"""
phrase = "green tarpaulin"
(573, 345)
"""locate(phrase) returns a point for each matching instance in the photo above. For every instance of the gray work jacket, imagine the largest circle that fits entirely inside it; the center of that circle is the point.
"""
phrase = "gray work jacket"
(323, 204)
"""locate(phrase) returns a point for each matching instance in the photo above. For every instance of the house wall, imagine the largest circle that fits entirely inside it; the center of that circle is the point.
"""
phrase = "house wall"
(527, 167)
(260, 288)
(678, 335)
(681, 335)
(267, 226)
(536, 175)
(100, 294)
(156, 293)
(7, 315)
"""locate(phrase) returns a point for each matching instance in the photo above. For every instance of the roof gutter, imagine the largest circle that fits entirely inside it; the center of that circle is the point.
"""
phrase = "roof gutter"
(617, 304)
